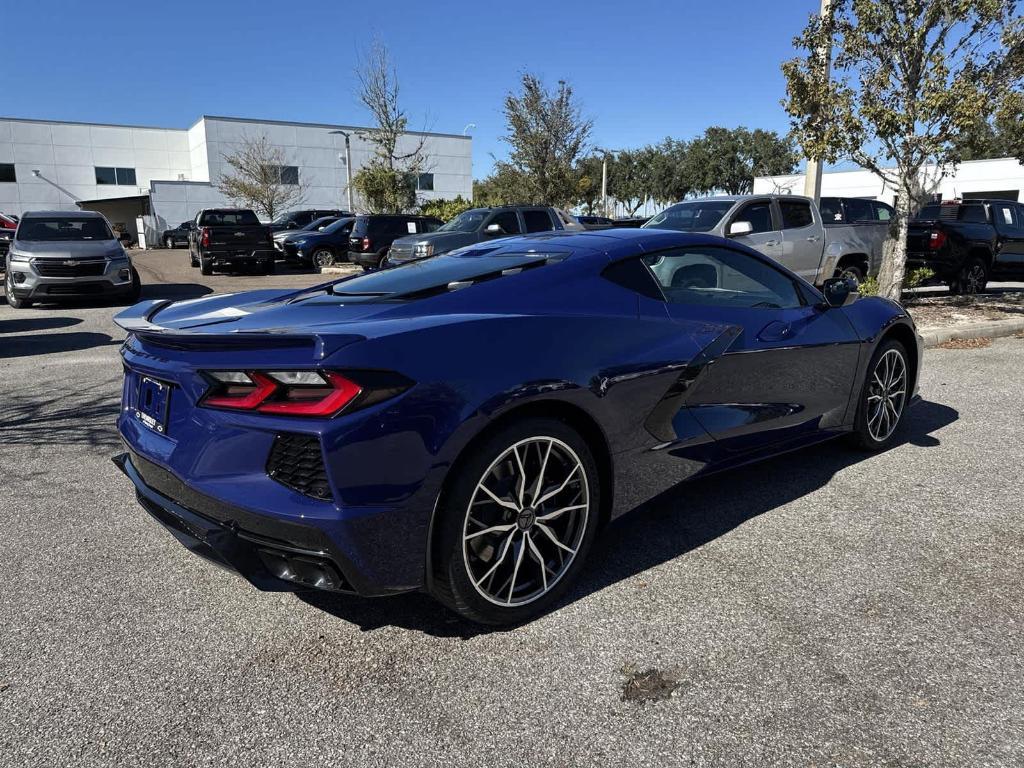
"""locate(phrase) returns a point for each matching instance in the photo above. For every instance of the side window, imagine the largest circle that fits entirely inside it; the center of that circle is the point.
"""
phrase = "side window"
(883, 212)
(1007, 215)
(538, 221)
(759, 215)
(973, 214)
(508, 221)
(722, 277)
(797, 214)
(831, 210)
(859, 211)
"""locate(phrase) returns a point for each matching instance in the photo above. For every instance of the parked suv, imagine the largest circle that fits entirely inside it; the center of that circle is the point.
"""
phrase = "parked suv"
(969, 243)
(479, 224)
(58, 254)
(298, 219)
(372, 235)
(787, 228)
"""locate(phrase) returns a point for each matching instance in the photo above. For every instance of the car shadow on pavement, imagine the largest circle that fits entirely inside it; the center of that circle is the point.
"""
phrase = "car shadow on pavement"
(175, 291)
(30, 324)
(674, 523)
(48, 343)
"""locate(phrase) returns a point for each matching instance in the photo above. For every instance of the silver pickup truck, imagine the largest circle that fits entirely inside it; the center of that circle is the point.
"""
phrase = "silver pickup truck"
(791, 230)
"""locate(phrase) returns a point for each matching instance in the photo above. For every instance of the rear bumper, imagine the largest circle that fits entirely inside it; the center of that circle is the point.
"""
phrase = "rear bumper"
(367, 259)
(270, 554)
(222, 259)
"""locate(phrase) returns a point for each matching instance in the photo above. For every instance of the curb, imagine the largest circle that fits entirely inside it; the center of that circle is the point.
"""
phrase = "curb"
(994, 329)
(347, 269)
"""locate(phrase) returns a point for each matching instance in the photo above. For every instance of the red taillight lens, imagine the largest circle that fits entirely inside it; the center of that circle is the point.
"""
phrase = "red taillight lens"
(367, 245)
(936, 239)
(286, 393)
(204, 237)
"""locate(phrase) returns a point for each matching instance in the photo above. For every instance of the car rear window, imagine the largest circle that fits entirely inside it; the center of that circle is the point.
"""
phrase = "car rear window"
(796, 214)
(60, 228)
(228, 219)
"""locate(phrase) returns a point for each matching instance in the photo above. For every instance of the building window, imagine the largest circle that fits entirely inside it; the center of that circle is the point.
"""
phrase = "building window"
(425, 182)
(287, 174)
(7, 174)
(124, 177)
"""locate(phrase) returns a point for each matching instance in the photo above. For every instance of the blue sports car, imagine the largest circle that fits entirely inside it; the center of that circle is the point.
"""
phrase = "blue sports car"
(466, 425)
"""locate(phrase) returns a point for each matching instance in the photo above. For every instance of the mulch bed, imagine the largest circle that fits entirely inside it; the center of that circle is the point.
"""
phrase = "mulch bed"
(951, 311)
(979, 343)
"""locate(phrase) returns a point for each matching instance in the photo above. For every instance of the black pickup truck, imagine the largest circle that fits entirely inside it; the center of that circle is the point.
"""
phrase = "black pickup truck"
(968, 243)
(230, 238)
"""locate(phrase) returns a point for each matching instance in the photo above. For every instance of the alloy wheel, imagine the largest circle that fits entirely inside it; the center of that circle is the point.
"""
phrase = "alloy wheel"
(323, 258)
(525, 521)
(974, 278)
(887, 394)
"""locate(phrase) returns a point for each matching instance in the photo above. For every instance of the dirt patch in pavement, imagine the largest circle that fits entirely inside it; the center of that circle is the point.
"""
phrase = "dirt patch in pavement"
(979, 343)
(649, 685)
(952, 311)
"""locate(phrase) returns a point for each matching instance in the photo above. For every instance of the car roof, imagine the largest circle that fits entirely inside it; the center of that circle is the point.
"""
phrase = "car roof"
(64, 214)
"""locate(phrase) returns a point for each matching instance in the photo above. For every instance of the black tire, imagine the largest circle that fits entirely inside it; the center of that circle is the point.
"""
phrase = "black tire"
(205, 266)
(453, 584)
(851, 270)
(269, 268)
(13, 301)
(135, 292)
(973, 278)
(322, 257)
(868, 433)
(169, 243)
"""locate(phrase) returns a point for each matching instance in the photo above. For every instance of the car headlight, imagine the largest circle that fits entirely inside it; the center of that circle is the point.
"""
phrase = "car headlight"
(422, 250)
(19, 258)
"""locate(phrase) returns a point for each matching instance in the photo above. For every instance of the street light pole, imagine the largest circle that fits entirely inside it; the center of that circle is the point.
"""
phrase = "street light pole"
(812, 177)
(604, 184)
(348, 167)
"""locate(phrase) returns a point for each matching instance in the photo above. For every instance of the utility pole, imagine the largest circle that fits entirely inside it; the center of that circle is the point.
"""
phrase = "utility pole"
(604, 184)
(348, 167)
(812, 179)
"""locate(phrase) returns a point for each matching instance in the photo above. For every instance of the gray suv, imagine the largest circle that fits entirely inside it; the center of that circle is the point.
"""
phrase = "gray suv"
(67, 254)
(479, 224)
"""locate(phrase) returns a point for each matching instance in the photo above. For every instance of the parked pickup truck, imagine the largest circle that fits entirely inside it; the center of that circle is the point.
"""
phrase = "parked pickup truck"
(230, 238)
(968, 243)
(478, 224)
(788, 228)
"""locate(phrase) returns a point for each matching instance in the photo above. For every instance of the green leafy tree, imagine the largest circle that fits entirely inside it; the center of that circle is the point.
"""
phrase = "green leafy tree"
(547, 135)
(630, 177)
(673, 175)
(998, 135)
(588, 183)
(728, 159)
(910, 79)
(445, 210)
(387, 184)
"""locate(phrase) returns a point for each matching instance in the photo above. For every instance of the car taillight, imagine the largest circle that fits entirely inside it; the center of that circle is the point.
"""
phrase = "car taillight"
(936, 239)
(299, 393)
(204, 237)
(367, 245)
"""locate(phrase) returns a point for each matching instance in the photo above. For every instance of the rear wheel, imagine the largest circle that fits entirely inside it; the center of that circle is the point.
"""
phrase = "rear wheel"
(169, 242)
(269, 268)
(13, 301)
(517, 521)
(883, 397)
(972, 278)
(205, 266)
(323, 257)
(848, 271)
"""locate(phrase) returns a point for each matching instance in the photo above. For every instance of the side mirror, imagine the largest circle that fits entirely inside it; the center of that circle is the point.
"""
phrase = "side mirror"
(292, 225)
(739, 228)
(840, 291)
(494, 229)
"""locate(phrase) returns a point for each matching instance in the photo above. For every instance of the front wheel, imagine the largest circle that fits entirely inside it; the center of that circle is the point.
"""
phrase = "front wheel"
(517, 521)
(323, 257)
(13, 301)
(883, 397)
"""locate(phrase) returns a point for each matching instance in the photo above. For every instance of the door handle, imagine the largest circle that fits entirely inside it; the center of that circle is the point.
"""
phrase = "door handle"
(813, 239)
(771, 242)
(775, 331)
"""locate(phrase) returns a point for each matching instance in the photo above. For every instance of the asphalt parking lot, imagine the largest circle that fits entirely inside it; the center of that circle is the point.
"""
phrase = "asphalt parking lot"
(825, 608)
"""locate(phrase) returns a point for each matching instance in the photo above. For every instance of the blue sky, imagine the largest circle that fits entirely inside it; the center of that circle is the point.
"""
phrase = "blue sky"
(642, 69)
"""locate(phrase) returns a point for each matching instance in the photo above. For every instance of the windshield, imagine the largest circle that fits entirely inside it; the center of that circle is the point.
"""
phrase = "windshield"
(59, 228)
(467, 221)
(313, 226)
(696, 216)
(338, 225)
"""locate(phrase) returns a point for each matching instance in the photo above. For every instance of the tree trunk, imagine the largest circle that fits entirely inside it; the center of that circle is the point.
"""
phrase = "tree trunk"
(894, 254)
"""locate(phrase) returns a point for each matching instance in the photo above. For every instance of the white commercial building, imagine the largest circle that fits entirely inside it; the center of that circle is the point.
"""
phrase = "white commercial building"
(1001, 178)
(160, 177)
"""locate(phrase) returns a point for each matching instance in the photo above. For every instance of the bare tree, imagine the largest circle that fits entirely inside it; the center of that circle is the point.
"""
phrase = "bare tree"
(388, 183)
(261, 178)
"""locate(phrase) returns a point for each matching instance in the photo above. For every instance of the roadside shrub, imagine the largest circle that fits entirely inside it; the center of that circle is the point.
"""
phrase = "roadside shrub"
(917, 277)
(869, 286)
(445, 210)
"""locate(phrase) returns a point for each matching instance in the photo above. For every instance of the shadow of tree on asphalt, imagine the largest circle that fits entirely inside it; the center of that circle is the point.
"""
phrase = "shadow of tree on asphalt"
(57, 419)
(676, 522)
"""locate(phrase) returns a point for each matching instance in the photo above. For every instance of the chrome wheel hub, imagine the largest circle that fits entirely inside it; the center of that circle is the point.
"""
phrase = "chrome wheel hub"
(525, 521)
(887, 394)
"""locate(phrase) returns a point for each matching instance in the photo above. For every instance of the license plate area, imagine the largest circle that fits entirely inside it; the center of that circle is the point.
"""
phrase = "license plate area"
(152, 403)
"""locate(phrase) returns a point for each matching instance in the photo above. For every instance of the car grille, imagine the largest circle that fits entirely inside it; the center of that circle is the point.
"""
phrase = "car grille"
(296, 461)
(401, 251)
(72, 289)
(65, 269)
